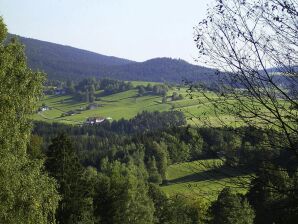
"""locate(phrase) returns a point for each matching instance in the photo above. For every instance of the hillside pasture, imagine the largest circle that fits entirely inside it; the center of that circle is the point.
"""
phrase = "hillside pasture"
(120, 105)
(126, 105)
(204, 178)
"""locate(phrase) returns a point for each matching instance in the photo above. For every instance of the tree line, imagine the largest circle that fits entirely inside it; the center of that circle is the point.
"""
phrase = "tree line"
(85, 90)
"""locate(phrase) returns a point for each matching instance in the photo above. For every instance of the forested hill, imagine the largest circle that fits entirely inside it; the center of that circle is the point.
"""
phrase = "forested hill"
(163, 69)
(64, 62)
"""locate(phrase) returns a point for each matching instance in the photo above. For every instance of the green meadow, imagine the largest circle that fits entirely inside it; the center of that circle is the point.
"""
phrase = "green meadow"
(120, 105)
(125, 105)
(204, 178)
(196, 108)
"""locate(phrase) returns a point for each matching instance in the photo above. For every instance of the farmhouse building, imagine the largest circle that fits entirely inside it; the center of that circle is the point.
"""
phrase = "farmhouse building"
(95, 120)
(44, 108)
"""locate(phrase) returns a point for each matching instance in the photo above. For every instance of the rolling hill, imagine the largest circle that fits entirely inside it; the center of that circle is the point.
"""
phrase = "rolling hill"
(127, 104)
(64, 62)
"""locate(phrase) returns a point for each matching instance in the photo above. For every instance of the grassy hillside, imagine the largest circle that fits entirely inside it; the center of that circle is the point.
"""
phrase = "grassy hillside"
(120, 105)
(204, 178)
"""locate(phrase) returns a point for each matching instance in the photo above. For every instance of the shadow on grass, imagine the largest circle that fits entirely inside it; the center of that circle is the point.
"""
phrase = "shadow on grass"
(208, 175)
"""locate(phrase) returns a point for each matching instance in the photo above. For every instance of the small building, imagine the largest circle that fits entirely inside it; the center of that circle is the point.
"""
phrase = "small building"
(94, 120)
(44, 108)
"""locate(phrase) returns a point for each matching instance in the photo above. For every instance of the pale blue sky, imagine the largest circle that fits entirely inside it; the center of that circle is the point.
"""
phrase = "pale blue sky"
(132, 29)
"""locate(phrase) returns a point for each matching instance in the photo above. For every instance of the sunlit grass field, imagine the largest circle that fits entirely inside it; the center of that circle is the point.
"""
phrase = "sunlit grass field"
(123, 105)
(197, 109)
(204, 178)
(120, 105)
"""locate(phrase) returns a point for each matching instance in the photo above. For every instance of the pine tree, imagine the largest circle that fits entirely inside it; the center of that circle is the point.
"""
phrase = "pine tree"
(154, 176)
(27, 194)
(160, 152)
(63, 164)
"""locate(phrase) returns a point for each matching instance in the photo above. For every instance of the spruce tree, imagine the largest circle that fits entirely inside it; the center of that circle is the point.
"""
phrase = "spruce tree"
(63, 164)
(154, 176)
(160, 152)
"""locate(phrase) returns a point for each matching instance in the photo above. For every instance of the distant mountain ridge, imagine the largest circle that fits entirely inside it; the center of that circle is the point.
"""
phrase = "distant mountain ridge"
(162, 69)
(62, 62)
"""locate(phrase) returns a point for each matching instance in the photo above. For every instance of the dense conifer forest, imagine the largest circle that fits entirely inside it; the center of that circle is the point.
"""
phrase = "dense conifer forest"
(64, 62)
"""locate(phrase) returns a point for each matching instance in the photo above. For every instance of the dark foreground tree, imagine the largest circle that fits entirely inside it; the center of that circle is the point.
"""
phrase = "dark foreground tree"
(231, 209)
(265, 196)
(62, 163)
(176, 209)
(27, 195)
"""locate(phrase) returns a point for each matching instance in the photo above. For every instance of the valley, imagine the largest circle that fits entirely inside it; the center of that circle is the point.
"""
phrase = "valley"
(156, 133)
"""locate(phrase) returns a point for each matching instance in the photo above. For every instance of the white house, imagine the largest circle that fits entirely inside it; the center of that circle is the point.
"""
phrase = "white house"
(44, 108)
(95, 120)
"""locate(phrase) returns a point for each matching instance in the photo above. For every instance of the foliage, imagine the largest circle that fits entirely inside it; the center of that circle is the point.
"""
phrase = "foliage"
(178, 150)
(159, 151)
(111, 86)
(122, 196)
(231, 209)
(84, 90)
(27, 194)
(176, 96)
(176, 209)
(253, 44)
(35, 147)
(159, 89)
(63, 164)
(154, 176)
(273, 194)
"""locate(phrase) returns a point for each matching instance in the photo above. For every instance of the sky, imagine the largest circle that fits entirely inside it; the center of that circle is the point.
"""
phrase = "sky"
(133, 29)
